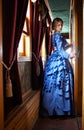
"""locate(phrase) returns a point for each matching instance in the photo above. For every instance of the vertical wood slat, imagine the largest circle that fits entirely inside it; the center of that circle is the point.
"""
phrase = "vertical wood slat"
(78, 63)
(27, 116)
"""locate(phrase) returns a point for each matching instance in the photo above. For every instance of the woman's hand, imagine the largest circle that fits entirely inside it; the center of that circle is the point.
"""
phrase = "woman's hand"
(69, 45)
(73, 54)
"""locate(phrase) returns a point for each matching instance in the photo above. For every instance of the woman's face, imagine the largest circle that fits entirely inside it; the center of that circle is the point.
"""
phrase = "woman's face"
(58, 27)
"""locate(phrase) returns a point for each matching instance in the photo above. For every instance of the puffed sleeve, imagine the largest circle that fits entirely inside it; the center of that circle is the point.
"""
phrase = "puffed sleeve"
(65, 54)
(56, 41)
(64, 47)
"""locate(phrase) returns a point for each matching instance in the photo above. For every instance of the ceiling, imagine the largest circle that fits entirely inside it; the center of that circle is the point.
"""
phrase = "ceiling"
(61, 8)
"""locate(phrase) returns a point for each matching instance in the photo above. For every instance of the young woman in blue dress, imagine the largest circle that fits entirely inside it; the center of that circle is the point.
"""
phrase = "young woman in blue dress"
(58, 84)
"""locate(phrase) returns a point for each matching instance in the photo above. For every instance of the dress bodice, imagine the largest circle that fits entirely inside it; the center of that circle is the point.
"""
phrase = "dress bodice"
(59, 42)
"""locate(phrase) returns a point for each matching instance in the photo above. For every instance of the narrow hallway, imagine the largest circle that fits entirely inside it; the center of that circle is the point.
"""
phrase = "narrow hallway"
(58, 124)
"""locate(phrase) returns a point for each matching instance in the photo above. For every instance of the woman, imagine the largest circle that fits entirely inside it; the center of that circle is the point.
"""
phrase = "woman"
(58, 84)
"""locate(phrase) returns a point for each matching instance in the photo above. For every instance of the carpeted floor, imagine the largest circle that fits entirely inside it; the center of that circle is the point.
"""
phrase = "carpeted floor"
(58, 124)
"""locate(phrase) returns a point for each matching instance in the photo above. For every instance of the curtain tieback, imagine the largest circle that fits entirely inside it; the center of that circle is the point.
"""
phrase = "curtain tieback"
(37, 65)
(37, 59)
(9, 92)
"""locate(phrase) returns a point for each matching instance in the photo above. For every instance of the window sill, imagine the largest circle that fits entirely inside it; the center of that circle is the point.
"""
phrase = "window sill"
(24, 58)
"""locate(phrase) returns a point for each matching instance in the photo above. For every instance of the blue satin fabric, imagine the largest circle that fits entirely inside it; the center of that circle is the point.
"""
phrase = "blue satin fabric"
(58, 83)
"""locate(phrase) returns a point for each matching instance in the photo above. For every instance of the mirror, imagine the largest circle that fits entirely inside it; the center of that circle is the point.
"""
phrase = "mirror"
(64, 9)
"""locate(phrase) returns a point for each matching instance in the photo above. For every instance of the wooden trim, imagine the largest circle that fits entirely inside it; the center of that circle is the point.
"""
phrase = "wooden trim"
(78, 65)
(1, 74)
(26, 27)
(76, 62)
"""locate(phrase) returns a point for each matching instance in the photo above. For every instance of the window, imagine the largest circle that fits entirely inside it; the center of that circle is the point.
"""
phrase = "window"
(25, 56)
(43, 51)
(24, 48)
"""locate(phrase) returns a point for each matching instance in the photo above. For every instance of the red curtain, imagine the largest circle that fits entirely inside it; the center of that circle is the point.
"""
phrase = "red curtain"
(14, 13)
(48, 40)
(38, 29)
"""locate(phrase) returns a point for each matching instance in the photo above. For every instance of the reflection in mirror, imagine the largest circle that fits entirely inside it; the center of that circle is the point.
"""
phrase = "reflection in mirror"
(62, 10)
(58, 77)
(66, 10)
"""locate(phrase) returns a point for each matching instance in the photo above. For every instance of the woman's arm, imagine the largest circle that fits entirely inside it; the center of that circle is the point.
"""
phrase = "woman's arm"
(68, 45)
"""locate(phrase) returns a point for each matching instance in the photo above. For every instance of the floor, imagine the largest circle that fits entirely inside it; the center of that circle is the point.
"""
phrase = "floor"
(58, 124)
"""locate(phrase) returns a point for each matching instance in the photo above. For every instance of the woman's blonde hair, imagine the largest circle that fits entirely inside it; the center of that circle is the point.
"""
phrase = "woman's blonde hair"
(55, 21)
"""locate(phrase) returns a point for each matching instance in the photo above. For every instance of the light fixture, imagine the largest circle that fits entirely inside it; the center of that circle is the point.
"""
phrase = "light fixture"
(33, 1)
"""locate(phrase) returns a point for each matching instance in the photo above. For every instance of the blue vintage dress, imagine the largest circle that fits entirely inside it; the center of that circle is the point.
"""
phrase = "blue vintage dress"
(58, 83)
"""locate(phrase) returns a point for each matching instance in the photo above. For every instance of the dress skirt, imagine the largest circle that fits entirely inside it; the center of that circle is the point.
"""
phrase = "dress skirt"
(58, 91)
